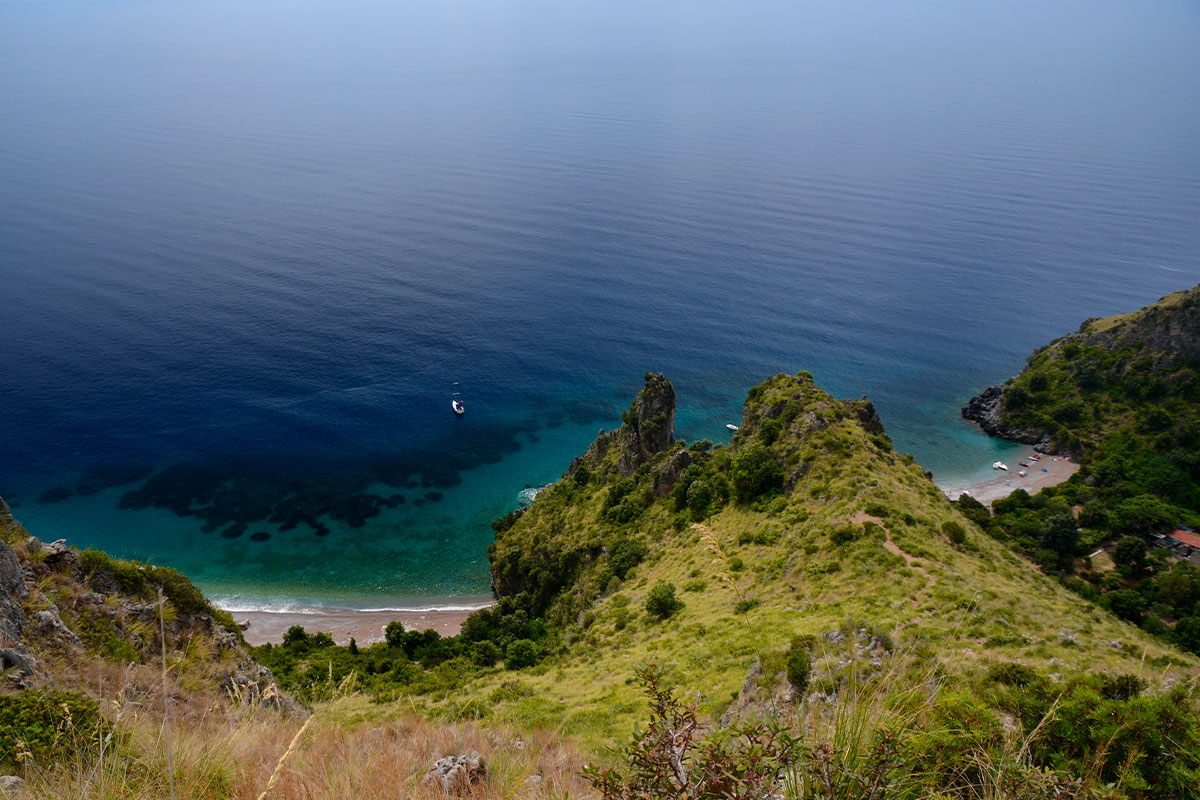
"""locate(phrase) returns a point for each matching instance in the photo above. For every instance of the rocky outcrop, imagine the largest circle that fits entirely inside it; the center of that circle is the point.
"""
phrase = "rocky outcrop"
(51, 629)
(456, 775)
(984, 409)
(649, 424)
(1168, 331)
(56, 554)
(665, 481)
(868, 417)
(258, 691)
(12, 592)
(648, 429)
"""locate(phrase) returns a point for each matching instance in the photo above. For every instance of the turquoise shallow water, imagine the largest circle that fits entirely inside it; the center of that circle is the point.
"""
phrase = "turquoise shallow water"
(247, 249)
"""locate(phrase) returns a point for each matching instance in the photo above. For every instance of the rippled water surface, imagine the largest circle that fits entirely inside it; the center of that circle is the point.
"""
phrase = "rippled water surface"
(247, 249)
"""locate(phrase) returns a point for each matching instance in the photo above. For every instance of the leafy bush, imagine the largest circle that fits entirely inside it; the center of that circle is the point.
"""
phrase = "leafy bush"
(1130, 550)
(485, 654)
(664, 761)
(799, 666)
(521, 653)
(662, 602)
(955, 532)
(48, 727)
(624, 555)
(756, 472)
(743, 606)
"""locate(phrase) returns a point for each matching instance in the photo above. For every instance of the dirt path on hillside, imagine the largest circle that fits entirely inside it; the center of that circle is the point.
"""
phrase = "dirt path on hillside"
(895, 549)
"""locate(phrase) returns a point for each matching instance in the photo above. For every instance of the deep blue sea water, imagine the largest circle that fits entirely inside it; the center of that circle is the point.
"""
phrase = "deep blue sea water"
(246, 249)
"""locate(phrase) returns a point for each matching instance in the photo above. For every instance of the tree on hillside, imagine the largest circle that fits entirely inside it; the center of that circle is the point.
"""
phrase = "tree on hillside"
(1143, 514)
(1131, 551)
(1060, 534)
(755, 472)
(1127, 604)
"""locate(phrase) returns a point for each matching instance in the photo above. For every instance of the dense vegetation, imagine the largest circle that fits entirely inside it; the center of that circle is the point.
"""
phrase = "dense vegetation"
(1123, 397)
(809, 564)
(841, 630)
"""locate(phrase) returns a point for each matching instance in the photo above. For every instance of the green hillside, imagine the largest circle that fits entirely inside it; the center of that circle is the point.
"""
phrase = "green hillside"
(808, 522)
(805, 584)
(1122, 396)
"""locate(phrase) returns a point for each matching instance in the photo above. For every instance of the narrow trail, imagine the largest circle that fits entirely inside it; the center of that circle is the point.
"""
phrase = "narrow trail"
(894, 549)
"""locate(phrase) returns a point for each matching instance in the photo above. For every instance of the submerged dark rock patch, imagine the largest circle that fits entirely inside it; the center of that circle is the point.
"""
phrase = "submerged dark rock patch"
(97, 479)
(55, 495)
(261, 493)
(259, 536)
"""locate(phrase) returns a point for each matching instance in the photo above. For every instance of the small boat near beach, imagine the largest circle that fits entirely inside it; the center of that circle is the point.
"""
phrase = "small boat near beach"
(731, 426)
(999, 465)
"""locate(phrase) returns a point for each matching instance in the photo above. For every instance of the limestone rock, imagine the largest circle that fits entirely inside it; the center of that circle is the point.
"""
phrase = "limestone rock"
(456, 774)
(50, 626)
(984, 409)
(260, 691)
(11, 659)
(665, 481)
(58, 554)
(649, 425)
(12, 786)
(648, 428)
(12, 591)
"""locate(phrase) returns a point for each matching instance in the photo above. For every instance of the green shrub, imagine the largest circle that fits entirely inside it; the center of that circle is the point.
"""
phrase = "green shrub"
(799, 666)
(485, 653)
(625, 554)
(756, 472)
(661, 602)
(49, 726)
(521, 653)
(955, 532)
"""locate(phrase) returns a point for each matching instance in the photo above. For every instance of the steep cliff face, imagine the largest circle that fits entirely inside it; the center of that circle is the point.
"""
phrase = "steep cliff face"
(1137, 371)
(647, 428)
(61, 610)
(1167, 331)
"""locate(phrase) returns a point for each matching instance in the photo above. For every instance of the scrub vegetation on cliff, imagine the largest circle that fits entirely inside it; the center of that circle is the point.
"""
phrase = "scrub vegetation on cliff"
(1122, 396)
(820, 622)
(808, 575)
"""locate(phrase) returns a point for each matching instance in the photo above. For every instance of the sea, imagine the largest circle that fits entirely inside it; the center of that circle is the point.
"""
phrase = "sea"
(249, 251)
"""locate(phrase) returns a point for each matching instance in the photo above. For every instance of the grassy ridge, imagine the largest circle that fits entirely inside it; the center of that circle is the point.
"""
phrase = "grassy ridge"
(831, 530)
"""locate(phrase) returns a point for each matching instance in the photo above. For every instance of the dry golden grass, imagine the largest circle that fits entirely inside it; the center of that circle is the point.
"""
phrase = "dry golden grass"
(234, 754)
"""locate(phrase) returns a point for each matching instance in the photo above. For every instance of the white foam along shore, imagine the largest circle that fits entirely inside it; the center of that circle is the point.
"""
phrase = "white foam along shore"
(269, 621)
(1043, 472)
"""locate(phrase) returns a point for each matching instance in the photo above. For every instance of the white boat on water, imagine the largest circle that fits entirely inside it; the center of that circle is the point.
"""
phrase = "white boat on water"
(455, 403)
(1000, 465)
(731, 426)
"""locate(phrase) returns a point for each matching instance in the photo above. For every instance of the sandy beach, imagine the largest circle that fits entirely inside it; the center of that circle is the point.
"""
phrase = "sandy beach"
(365, 626)
(1002, 484)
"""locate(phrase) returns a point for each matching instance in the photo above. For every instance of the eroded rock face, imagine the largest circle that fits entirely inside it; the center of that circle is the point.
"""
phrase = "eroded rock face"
(457, 774)
(12, 592)
(650, 426)
(49, 626)
(665, 482)
(648, 429)
(984, 409)
(259, 690)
